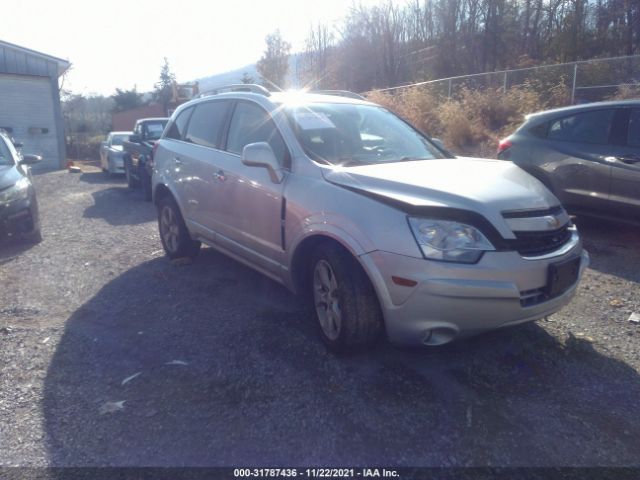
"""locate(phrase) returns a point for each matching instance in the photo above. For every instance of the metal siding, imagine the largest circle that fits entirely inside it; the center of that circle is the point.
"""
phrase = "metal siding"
(29, 101)
(10, 55)
(52, 69)
(57, 111)
(21, 63)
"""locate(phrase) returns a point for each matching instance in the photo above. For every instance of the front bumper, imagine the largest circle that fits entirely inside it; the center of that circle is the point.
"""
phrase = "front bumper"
(452, 301)
(19, 218)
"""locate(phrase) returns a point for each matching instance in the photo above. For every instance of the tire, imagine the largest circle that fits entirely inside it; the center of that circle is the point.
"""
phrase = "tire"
(33, 237)
(131, 182)
(175, 238)
(344, 300)
(145, 180)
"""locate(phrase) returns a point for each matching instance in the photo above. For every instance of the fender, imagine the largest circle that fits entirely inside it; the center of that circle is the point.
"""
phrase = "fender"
(317, 225)
(159, 179)
(334, 226)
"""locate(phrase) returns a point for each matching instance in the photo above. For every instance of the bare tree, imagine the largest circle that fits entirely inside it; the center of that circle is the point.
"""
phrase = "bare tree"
(273, 67)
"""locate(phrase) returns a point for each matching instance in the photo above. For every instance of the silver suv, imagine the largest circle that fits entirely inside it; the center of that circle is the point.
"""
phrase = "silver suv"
(335, 196)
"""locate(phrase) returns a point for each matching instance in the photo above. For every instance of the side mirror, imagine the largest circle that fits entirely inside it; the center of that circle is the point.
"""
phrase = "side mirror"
(135, 138)
(260, 154)
(29, 159)
(18, 144)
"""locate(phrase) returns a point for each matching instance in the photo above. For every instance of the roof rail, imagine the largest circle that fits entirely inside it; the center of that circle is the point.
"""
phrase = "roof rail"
(339, 93)
(237, 87)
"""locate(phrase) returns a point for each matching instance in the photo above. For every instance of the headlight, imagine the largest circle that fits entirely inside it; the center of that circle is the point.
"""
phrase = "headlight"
(18, 191)
(449, 241)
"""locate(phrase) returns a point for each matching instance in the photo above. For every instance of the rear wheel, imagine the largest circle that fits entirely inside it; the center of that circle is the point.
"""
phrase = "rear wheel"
(346, 304)
(175, 238)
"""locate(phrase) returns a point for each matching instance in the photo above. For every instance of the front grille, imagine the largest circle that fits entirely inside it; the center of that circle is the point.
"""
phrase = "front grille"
(533, 244)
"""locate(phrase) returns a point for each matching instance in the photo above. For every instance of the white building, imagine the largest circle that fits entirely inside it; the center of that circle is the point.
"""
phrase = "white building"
(30, 102)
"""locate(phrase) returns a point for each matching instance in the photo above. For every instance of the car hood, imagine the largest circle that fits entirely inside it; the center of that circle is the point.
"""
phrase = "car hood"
(487, 187)
(9, 175)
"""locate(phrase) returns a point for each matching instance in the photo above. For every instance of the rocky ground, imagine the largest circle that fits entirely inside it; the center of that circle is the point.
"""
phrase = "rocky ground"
(111, 355)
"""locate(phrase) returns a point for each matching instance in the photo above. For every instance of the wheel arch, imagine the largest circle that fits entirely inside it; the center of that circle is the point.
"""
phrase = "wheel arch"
(300, 260)
(161, 191)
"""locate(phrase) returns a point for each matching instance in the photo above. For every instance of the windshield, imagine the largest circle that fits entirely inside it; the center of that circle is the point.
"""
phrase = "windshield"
(6, 156)
(348, 134)
(119, 139)
(154, 130)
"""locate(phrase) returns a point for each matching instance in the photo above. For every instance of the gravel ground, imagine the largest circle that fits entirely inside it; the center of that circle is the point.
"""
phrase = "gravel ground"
(111, 355)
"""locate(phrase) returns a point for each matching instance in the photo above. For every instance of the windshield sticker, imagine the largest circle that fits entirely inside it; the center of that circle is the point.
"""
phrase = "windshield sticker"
(313, 121)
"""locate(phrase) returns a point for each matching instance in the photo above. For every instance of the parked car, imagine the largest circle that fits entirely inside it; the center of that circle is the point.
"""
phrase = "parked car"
(338, 197)
(18, 203)
(587, 155)
(138, 149)
(111, 152)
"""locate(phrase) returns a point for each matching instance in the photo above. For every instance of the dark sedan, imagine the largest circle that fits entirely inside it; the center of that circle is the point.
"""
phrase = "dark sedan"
(587, 155)
(18, 204)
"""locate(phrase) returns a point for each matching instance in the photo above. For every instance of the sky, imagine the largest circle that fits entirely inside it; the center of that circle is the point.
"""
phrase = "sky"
(121, 44)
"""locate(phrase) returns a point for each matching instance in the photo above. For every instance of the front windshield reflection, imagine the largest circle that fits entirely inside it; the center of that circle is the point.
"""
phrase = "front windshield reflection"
(348, 134)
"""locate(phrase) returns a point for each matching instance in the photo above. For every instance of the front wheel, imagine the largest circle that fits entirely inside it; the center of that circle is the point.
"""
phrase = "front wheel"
(33, 237)
(175, 238)
(145, 181)
(131, 181)
(346, 304)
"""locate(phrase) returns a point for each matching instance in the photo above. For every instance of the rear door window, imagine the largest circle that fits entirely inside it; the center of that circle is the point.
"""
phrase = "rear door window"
(207, 123)
(178, 127)
(633, 131)
(585, 127)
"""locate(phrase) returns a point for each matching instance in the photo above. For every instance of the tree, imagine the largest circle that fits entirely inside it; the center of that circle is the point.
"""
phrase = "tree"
(315, 61)
(163, 92)
(273, 67)
(126, 99)
(247, 78)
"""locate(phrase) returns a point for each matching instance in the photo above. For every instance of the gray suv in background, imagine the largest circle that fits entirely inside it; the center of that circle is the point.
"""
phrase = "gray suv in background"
(587, 155)
(339, 198)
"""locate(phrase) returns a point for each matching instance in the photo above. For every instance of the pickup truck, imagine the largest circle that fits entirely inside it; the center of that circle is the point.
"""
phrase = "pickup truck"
(138, 153)
(111, 152)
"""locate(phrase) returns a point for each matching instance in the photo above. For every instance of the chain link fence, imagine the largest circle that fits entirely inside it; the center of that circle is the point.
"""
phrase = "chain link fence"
(587, 80)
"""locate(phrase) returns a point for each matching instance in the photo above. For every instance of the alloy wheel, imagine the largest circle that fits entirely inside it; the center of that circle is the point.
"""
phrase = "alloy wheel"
(169, 228)
(325, 295)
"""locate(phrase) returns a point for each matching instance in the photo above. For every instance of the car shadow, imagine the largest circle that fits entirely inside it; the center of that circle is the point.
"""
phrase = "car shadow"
(114, 205)
(12, 248)
(102, 178)
(213, 364)
(614, 247)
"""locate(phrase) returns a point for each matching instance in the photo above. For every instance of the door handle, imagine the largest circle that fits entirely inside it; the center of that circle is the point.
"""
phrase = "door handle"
(629, 159)
(220, 176)
(177, 160)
